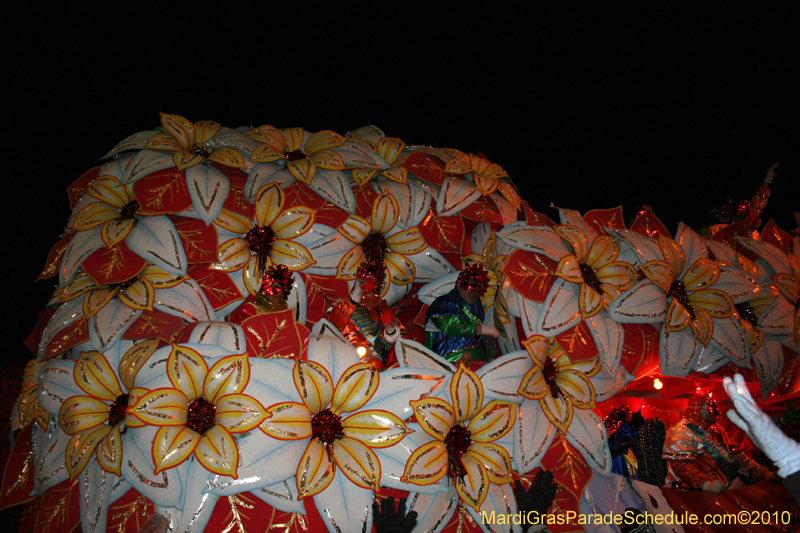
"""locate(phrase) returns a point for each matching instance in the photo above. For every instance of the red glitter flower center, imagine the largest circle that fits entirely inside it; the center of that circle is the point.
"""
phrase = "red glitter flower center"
(129, 209)
(294, 155)
(261, 240)
(117, 412)
(202, 416)
(590, 278)
(327, 427)
(199, 150)
(457, 443)
(375, 247)
(678, 291)
(550, 372)
(747, 313)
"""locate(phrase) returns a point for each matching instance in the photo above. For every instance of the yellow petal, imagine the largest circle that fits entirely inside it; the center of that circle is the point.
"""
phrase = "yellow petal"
(109, 452)
(427, 464)
(466, 391)
(217, 452)
(314, 384)
(134, 395)
(493, 421)
(80, 448)
(460, 164)
(398, 174)
(235, 222)
(577, 239)
(557, 410)
(358, 462)
(81, 413)
(348, 264)
(115, 231)
(355, 229)
(206, 130)
(355, 388)
(163, 142)
(533, 385)
(620, 274)
(673, 254)
(161, 407)
(266, 153)
(229, 375)
(289, 421)
(107, 189)
(323, 140)
(659, 272)
(510, 193)
(485, 184)
(787, 285)
(233, 255)
(376, 429)
(295, 256)
(80, 284)
(184, 160)
(180, 128)
(97, 299)
(269, 135)
(474, 486)
(537, 348)
(239, 413)
(362, 175)
(315, 470)
(435, 416)
(407, 242)
(385, 213)
(139, 295)
(172, 446)
(495, 460)
(227, 156)
(293, 222)
(160, 278)
(716, 302)
(401, 269)
(589, 301)
(677, 316)
(578, 387)
(701, 275)
(94, 214)
(603, 250)
(269, 202)
(187, 371)
(702, 326)
(390, 148)
(94, 375)
(328, 159)
(293, 137)
(569, 269)
(302, 169)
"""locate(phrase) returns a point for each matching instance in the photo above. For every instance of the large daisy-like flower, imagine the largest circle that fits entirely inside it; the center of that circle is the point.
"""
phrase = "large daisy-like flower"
(303, 154)
(381, 239)
(464, 446)
(559, 385)
(332, 440)
(485, 175)
(184, 139)
(111, 205)
(390, 149)
(594, 266)
(266, 239)
(201, 413)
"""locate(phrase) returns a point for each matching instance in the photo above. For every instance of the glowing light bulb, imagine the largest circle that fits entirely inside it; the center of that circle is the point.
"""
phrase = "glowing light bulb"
(361, 351)
(657, 384)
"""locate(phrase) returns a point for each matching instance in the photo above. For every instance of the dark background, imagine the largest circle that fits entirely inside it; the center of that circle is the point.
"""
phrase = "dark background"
(588, 105)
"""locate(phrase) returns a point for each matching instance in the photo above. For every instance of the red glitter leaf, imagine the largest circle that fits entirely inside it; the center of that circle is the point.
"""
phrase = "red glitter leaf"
(18, 471)
(578, 343)
(59, 509)
(534, 218)
(640, 354)
(365, 198)
(789, 383)
(571, 474)
(154, 323)
(610, 218)
(236, 201)
(162, 192)
(426, 167)
(444, 234)
(300, 194)
(650, 225)
(482, 210)
(72, 335)
(275, 335)
(53, 262)
(78, 187)
(729, 235)
(776, 236)
(198, 240)
(32, 341)
(532, 275)
(107, 266)
(322, 291)
(129, 512)
(218, 286)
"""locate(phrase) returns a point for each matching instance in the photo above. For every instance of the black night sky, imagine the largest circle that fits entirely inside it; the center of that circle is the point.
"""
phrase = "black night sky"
(586, 105)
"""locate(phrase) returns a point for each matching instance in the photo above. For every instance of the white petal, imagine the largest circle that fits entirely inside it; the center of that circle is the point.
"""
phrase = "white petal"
(560, 310)
(736, 283)
(571, 217)
(110, 323)
(412, 201)
(533, 433)
(137, 141)
(768, 361)
(634, 247)
(540, 239)
(529, 314)
(692, 244)
(329, 348)
(729, 337)
(414, 355)
(606, 386)
(500, 499)
(146, 162)
(679, 351)
(394, 458)
(334, 187)
(48, 446)
(82, 245)
(208, 188)
(775, 258)
(186, 300)
(455, 195)
(282, 496)
(95, 493)
(225, 335)
(434, 511)
(165, 488)
(588, 434)
(157, 240)
(264, 174)
(327, 252)
(428, 293)
(644, 303)
(345, 506)
(508, 213)
(609, 338)
(723, 252)
(501, 377)
(430, 265)
(399, 386)
(56, 384)
(710, 359)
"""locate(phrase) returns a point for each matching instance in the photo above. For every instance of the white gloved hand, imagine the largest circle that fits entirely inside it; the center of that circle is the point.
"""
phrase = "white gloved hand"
(485, 329)
(768, 437)
(357, 291)
(713, 486)
(391, 333)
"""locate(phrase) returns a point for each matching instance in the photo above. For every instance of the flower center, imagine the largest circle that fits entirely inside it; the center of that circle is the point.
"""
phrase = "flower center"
(590, 278)
(199, 150)
(457, 443)
(747, 313)
(117, 412)
(550, 372)
(294, 155)
(327, 427)
(678, 291)
(202, 416)
(261, 240)
(374, 247)
(129, 209)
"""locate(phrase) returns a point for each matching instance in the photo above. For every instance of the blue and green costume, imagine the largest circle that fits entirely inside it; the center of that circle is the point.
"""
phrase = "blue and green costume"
(451, 328)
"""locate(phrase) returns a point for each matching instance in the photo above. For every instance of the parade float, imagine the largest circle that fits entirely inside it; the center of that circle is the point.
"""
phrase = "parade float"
(151, 391)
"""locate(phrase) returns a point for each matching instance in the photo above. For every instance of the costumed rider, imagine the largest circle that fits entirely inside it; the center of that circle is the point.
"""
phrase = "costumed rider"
(623, 429)
(697, 457)
(782, 450)
(454, 325)
(273, 296)
(365, 319)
